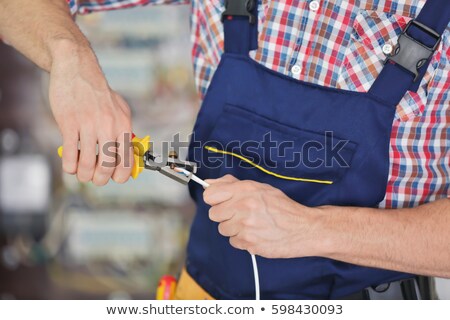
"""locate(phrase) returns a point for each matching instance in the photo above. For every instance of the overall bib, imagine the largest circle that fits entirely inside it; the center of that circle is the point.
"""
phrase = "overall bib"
(319, 145)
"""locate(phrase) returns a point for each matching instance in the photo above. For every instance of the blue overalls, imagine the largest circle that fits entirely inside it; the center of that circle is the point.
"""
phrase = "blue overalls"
(268, 118)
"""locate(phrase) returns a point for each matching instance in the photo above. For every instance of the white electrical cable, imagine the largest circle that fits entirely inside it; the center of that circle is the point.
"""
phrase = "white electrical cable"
(198, 180)
(254, 263)
(256, 275)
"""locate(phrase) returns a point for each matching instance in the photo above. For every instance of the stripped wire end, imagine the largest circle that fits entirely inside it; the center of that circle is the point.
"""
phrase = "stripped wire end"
(192, 176)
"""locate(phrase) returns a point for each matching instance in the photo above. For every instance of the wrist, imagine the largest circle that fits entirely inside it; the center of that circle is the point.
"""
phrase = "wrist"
(76, 60)
(64, 48)
(325, 242)
(309, 232)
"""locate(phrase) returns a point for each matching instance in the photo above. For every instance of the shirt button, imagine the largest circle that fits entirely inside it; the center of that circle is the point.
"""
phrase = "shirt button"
(387, 48)
(314, 5)
(296, 69)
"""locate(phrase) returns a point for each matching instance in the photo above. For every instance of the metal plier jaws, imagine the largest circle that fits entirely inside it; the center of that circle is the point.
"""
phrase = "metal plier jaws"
(166, 166)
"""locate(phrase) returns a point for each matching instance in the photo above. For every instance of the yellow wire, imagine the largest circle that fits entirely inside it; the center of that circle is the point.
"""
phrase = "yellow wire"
(212, 149)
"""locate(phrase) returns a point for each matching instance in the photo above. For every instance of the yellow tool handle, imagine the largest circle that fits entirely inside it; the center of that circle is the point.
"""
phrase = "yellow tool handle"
(140, 147)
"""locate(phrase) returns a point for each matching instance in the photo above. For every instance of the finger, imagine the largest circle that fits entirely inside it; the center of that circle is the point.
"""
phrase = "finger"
(217, 193)
(229, 228)
(70, 152)
(106, 162)
(86, 164)
(124, 159)
(228, 188)
(237, 243)
(228, 178)
(221, 212)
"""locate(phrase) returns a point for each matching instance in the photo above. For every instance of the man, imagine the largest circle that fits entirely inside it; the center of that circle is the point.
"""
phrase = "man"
(325, 44)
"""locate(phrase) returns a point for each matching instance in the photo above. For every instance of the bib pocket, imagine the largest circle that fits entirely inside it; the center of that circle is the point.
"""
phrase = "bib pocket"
(267, 151)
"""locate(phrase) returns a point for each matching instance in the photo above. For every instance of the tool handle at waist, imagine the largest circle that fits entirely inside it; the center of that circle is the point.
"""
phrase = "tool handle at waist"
(166, 288)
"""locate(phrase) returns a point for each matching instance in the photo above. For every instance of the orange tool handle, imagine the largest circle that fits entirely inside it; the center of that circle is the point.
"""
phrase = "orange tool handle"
(166, 288)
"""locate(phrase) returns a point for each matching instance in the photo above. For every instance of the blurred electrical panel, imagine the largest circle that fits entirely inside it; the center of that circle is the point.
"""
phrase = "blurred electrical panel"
(123, 236)
(26, 176)
(25, 184)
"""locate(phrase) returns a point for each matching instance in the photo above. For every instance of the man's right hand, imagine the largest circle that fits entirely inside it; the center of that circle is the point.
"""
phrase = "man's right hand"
(86, 109)
(88, 112)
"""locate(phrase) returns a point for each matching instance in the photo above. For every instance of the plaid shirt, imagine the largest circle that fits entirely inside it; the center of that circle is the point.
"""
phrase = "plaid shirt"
(340, 44)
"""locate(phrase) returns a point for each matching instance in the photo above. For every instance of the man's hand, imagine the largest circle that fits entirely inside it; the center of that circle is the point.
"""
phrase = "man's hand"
(88, 111)
(261, 219)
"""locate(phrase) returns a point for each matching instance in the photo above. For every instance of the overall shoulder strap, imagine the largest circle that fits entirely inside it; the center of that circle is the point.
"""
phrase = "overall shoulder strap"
(405, 68)
(240, 23)
(402, 71)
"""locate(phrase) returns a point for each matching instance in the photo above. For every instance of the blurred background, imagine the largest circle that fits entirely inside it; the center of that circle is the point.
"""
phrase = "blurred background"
(60, 239)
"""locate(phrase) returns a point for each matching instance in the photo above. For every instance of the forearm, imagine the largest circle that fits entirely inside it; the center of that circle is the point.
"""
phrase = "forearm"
(41, 29)
(415, 240)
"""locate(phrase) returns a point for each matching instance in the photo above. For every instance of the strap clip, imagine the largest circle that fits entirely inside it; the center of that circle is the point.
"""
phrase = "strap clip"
(411, 54)
(241, 8)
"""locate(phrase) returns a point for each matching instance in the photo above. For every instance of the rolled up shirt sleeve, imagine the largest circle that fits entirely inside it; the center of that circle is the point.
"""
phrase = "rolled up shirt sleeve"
(73, 5)
(87, 6)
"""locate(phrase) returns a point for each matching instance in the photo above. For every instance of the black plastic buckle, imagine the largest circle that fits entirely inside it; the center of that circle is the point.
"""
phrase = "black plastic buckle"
(412, 54)
(241, 8)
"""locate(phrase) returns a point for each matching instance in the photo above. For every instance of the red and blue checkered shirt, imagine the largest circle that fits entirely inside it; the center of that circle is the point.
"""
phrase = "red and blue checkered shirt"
(340, 44)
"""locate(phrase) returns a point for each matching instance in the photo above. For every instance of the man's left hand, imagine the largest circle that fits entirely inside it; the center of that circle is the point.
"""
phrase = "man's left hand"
(262, 219)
